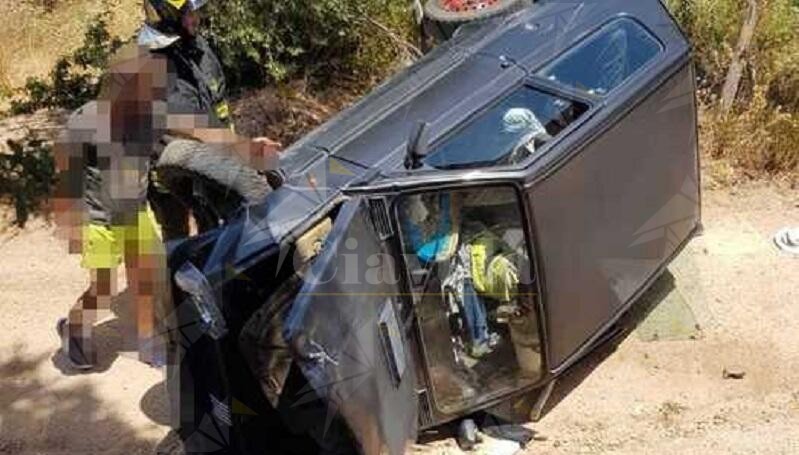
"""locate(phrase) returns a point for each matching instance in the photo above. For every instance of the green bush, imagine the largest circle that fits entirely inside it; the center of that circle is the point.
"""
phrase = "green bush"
(74, 79)
(712, 27)
(27, 176)
(260, 40)
(777, 53)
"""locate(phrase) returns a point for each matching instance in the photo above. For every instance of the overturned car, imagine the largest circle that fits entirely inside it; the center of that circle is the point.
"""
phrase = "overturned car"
(452, 243)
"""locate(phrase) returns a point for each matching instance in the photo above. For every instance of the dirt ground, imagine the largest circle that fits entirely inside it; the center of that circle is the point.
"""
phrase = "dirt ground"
(660, 390)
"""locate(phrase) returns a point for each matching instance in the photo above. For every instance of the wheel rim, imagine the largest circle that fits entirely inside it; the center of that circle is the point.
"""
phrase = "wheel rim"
(466, 10)
(463, 6)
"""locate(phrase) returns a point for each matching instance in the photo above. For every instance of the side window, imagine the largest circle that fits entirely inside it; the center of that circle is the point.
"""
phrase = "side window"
(508, 132)
(475, 302)
(606, 59)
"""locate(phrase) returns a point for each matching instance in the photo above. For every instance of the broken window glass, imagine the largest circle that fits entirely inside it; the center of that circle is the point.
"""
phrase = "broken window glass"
(475, 301)
(606, 59)
(507, 133)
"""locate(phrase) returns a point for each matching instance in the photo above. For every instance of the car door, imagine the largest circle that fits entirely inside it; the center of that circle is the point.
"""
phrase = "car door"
(347, 336)
(470, 274)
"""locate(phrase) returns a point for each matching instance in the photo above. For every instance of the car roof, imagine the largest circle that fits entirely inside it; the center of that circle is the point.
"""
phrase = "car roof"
(363, 145)
(464, 75)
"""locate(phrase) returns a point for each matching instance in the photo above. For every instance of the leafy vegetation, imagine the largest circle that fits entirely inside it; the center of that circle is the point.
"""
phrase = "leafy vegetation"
(27, 176)
(74, 79)
(761, 133)
(309, 52)
(712, 26)
(338, 46)
(39, 32)
(277, 40)
(258, 42)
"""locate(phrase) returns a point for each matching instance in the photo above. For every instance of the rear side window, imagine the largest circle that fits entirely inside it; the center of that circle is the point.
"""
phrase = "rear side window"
(606, 59)
(509, 132)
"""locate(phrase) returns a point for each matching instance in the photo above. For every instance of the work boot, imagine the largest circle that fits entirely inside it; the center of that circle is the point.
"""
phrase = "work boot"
(78, 351)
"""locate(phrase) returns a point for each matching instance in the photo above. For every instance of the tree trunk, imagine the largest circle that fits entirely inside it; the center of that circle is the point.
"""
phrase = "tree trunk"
(735, 72)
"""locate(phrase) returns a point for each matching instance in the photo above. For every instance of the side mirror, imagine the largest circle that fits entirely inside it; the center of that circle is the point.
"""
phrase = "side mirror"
(417, 146)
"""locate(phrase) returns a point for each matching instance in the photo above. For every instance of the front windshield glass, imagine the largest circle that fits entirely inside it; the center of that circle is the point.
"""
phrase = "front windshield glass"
(507, 133)
(467, 256)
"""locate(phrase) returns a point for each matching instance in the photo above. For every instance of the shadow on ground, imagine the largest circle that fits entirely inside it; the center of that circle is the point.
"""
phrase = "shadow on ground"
(656, 297)
(657, 293)
(155, 405)
(112, 338)
(40, 416)
(48, 417)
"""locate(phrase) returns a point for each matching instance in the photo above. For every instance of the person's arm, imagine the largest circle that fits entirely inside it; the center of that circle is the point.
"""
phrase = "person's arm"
(184, 120)
(130, 88)
(260, 153)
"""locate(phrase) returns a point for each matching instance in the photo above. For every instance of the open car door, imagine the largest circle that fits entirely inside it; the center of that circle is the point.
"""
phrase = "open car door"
(347, 336)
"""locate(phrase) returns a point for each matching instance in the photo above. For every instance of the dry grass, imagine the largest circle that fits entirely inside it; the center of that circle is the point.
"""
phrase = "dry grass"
(38, 35)
(288, 112)
(760, 136)
(758, 141)
(5, 83)
(712, 26)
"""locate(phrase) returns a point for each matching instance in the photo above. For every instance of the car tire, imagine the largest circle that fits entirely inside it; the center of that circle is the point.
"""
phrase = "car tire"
(434, 11)
(170, 445)
(183, 158)
(210, 181)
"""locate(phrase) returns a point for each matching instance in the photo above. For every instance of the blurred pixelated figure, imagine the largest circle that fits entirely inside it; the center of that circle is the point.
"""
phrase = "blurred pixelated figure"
(159, 92)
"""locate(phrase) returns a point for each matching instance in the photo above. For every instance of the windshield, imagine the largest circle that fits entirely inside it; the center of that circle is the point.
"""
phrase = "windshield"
(467, 257)
(507, 133)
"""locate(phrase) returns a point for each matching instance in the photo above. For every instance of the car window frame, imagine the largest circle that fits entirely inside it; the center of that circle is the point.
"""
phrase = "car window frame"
(538, 72)
(533, 82)
(596, 104)
(531, 248)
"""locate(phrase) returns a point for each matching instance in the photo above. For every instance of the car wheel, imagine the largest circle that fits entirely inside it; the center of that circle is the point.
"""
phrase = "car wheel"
(449, 11)
(219, 183)
(170, 445)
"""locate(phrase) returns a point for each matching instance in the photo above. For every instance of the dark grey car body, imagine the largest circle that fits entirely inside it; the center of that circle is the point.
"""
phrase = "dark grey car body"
(605, 204)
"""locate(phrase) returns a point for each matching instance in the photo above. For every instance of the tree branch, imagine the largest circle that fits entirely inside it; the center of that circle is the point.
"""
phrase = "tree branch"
(401, 42)
(735, 72)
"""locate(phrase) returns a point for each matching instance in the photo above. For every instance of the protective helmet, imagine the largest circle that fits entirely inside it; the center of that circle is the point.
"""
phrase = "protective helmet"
(163, 21)
(165, 16)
